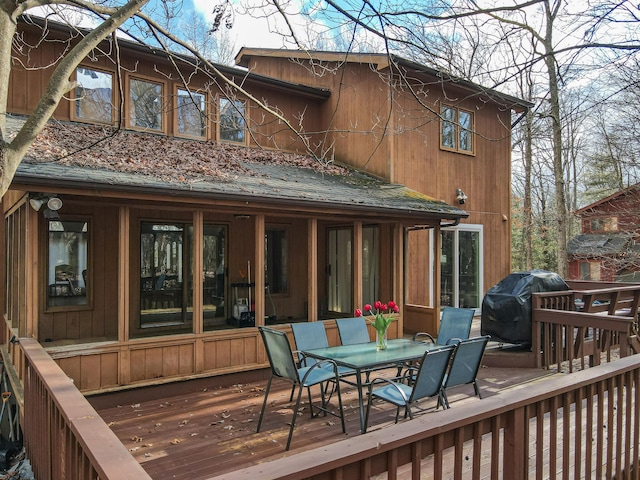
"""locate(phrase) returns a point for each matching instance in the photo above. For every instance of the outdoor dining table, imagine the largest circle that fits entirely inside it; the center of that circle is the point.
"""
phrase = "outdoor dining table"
(364, 356)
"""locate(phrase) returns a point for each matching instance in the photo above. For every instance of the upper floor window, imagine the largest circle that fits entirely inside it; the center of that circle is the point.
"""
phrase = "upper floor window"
(456, 129)
(609, 224)
(191, 113)
(232, 120)
(145, 104)
(68, 255)
(93, 96)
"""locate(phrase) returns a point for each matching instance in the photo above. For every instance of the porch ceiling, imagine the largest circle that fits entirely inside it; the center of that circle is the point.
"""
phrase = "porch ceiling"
(145, 163)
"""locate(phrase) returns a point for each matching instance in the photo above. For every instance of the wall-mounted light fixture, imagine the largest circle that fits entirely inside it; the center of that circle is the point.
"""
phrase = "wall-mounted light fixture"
(461, 196)
(52, 205)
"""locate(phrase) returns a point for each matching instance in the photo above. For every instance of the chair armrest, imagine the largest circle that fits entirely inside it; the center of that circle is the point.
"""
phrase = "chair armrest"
(417, 336)
(379, 380)
(319, 365)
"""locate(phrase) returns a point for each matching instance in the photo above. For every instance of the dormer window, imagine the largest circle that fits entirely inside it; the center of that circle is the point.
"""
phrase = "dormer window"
(145, 104)
(93, 96)
(191, 113)
(456, 129)
(232, 121)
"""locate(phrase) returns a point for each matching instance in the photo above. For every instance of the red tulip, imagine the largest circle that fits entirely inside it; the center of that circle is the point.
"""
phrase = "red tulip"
(358, 312)
(377, 304)
(367, 308)
(392, 305)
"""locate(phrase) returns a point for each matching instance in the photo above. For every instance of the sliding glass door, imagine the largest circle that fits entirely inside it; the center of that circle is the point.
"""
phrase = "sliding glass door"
(461, 267)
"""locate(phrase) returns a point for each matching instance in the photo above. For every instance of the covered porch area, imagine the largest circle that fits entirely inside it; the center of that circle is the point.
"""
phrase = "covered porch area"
(136, 281)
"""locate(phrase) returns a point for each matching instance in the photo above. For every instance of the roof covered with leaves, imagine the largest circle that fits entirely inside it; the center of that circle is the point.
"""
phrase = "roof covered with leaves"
(86, 156)
(594, 245)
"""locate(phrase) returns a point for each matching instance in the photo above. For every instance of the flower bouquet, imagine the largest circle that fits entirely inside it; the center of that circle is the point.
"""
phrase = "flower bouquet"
(380, 317)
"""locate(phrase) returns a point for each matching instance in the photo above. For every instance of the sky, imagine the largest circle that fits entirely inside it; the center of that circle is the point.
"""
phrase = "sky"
(247, 30)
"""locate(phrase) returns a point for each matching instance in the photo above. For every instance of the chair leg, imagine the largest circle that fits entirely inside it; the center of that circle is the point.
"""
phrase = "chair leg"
(295, 415)
(311, 402)
(475, 387)
(407, 410)
(293, 390)
(264, 402)
(443, 400)
(340, 409)
(366, 417)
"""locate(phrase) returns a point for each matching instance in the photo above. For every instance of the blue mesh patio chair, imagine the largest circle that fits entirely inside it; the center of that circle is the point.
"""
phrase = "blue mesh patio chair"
(353, 330)
(311, 335)
(428, 383)
(465, 365)
(283, 366)
(455, 325)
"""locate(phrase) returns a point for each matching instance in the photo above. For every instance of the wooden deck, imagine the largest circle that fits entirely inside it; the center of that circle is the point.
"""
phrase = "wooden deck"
(198, 429)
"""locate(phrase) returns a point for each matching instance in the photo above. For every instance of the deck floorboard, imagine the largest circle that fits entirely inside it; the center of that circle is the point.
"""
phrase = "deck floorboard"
(196, 434)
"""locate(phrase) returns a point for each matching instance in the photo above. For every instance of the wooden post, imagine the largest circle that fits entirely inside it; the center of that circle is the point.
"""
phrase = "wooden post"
(357, 264)
(32, 269)
(312, 270)
(257, 270)
(198, 280)
(124, 297)
(515, 444)
(437, 272)
(398, 272)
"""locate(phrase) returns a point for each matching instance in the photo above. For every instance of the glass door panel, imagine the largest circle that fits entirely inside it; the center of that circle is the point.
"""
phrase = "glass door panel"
(340, 271)
(447, 269)
(165, 275)
(469, 269)
(214, 288)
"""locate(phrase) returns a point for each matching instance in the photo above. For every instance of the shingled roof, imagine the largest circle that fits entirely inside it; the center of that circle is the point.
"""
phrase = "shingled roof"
(70, 155)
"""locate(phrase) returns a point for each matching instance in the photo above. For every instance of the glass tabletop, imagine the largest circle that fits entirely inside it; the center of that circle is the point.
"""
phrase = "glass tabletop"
(365, 355)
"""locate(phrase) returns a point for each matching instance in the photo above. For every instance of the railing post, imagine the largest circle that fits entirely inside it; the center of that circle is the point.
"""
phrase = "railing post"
(515, 444)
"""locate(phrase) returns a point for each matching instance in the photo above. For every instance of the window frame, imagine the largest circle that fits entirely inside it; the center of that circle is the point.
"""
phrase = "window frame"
(129, 103)
(604, 224)
(458, 129)
(89, 220)
(244, 119)
(75, 99)
(206, 112)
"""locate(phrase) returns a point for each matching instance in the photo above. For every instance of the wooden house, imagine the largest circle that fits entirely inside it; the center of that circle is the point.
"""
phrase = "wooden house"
(155, 223)
(607, 247)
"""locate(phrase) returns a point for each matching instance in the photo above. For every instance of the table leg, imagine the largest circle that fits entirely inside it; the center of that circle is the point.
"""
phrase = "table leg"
(363, 427)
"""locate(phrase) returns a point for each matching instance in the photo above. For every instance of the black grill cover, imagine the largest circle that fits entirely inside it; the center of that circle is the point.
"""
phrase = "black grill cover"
(506, 308)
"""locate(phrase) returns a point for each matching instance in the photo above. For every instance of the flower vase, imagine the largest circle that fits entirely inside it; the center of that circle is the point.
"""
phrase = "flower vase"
(381, 340)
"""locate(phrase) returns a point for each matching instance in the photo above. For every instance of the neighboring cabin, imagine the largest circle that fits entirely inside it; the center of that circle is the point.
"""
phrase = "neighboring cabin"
(607, 248)
(149, 254)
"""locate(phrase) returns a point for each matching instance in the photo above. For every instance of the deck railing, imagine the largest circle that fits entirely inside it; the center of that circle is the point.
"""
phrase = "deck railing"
(582, 425)
(586, 424)
(577, 328)
(64, 436)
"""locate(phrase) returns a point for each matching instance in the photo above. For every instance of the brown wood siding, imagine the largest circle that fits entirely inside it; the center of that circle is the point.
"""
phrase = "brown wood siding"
(411, 155)
(356, 126)
(485, 177)
(27, 85)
